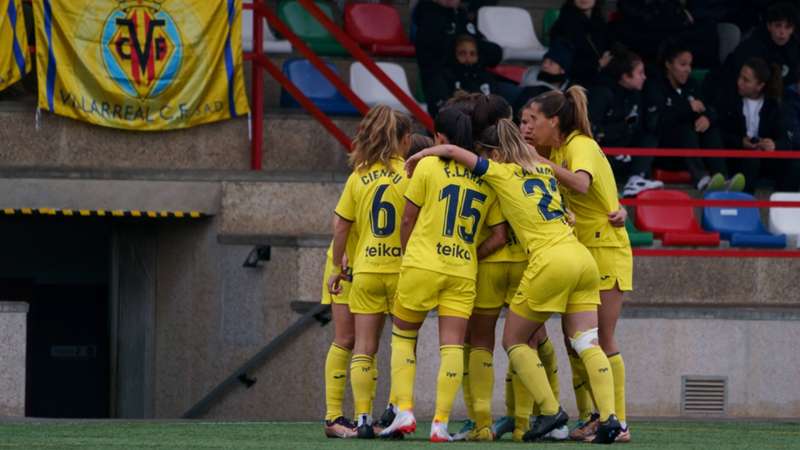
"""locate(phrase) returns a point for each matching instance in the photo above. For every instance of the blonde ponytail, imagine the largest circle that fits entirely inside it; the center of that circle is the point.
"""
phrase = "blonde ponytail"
(580, 110)
(513, 147)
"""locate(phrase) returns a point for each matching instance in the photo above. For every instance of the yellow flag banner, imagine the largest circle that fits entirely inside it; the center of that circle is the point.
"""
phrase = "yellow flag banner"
(141, 64)
(14, 60)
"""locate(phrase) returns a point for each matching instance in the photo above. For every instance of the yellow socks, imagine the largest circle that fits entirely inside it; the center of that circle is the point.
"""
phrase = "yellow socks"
(451, 370)
(618, 371)
(335, 380)
(509, 392)
(531, 373)
(363, 384)
(547, 354)
(580, 384)
(602, 382)
(481, 369)
(404, 367)
(469, 402)
(523, 403)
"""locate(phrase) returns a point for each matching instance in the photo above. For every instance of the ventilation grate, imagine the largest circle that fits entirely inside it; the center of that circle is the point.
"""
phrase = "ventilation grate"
(704, 395)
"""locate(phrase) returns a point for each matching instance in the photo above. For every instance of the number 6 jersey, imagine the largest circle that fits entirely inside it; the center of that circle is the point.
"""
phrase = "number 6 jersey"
(373, 200)
(454, 204)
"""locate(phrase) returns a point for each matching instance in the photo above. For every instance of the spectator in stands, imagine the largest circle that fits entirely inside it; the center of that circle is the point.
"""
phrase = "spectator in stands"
(616, 111)
(466, 73)
(582, 24)
(682, 118)
(439, 22)
(753, 120)
(645, 24)
(552, 75)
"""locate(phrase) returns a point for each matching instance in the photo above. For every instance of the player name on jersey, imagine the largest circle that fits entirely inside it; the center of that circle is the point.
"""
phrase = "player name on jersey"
(460, 171)
(375, 175)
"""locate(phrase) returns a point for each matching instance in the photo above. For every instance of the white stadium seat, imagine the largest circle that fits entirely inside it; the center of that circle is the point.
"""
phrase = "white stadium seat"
(271, 43)
(785, 220)
(511, 28)
(372, 92)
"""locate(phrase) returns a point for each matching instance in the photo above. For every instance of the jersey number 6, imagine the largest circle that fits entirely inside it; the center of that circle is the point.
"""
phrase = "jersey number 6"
(379, 205)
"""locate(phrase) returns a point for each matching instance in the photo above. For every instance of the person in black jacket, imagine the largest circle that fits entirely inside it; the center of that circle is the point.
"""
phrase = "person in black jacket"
(553, 75)
(583, 26)
(466, 73)
(439, 22)
(617, 113)
(682, 118)
(753, 120)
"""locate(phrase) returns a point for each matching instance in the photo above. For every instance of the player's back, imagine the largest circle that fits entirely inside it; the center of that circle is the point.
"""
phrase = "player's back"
(454, 204)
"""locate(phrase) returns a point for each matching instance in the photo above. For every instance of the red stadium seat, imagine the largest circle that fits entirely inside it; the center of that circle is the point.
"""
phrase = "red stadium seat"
(672, 176)
(674, 225)
(378, 28)
(509, 72)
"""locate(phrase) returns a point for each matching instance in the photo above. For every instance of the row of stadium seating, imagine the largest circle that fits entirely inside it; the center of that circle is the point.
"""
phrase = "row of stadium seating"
(741, 227)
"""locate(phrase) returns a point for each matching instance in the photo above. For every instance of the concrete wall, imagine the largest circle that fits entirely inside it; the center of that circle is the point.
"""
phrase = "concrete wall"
(13, 335)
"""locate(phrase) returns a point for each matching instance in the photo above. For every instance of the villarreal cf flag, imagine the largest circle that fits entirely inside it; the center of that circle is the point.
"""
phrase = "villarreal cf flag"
(14, 61)
(140, 64)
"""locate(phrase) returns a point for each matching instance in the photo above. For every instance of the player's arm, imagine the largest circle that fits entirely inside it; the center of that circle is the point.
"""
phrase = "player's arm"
(578, 181)
(495, 241)
(410, 215)
(454, 152)
(341, 229)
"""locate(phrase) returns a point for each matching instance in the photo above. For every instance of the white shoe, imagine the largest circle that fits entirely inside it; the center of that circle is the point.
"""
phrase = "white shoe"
(637, 184)
(439, 432)
(404, 423)
(559, 434)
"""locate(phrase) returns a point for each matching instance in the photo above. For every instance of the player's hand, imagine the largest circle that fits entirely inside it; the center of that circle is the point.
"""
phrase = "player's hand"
(334, 284)
(570, 216)
(412, 161)
(702, 124)
(617, 218)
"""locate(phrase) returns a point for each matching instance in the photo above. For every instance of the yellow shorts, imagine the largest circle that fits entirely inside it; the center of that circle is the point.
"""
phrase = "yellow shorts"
(420, 290)
(372, 293)
(497, 283)
(327, 298)
(615, 265)
(560, 279)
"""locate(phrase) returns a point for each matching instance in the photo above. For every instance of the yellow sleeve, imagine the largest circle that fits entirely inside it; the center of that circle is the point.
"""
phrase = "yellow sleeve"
(346, 208)
(495, 216)
(583, 157)
(415, 192)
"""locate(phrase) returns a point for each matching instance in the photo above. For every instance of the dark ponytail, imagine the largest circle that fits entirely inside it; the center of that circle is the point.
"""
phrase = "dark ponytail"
(769, 74)
(571, 108)
(456, 126)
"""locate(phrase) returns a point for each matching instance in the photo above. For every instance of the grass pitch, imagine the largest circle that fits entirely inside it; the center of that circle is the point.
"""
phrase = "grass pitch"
(280, 435)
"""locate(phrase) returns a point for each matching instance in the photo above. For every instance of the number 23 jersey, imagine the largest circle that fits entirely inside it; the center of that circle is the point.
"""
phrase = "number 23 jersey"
(454, 204)
(373, 200)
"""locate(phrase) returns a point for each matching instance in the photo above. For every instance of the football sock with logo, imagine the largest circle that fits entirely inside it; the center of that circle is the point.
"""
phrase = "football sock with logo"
(580, 384)
(466, 388)
(600, 379)
(362, 383)
(404, 366)
(451, 370)
(481, 370)
(531, 373)
(547, 353)
(335, 380)
(509, 382)
(523, 403)
(618, 372)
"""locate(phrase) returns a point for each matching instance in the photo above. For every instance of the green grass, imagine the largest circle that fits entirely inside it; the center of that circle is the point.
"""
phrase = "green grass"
(272, 435)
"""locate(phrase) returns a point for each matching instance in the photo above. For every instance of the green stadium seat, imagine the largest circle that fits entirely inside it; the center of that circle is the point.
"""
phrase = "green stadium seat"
(550, 18)
(699, 75)
(638, 238)
(308, 29)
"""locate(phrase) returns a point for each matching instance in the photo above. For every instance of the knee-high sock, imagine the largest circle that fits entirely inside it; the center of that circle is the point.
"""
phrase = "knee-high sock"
(601, 380)
(336, 364)
(374, 376)
(481, 370)
(509, 381)
(618, 371)
(523, 402)
(362, 382)
(466, 388)
(404, 367)
(531, 373)
(580, 384)
(547, 353)
(451, 371)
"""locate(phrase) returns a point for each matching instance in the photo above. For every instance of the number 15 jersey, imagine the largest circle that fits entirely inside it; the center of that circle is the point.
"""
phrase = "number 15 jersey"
(454, 204)
(373, 200)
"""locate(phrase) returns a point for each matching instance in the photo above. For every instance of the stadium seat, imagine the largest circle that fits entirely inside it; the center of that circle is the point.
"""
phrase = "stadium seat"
(550, 18)
(509, 72)
(271, 43)
(372, 92)
(741, 226)
(378, 28)
(308, 29)
(699, 75)
(674, 225)
(672, 176)
(512, 29)
(316, 87)
(786, 220)
(638, 238)
(729, 38)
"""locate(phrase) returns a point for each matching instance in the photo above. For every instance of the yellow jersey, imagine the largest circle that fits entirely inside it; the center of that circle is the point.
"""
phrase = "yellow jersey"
(373, 200)
(454, 205)
(531, 202)
(349, 250)
(581, 153)
(512, 251)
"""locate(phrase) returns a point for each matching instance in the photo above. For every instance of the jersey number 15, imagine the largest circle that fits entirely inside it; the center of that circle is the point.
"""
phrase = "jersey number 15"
(451, 194)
